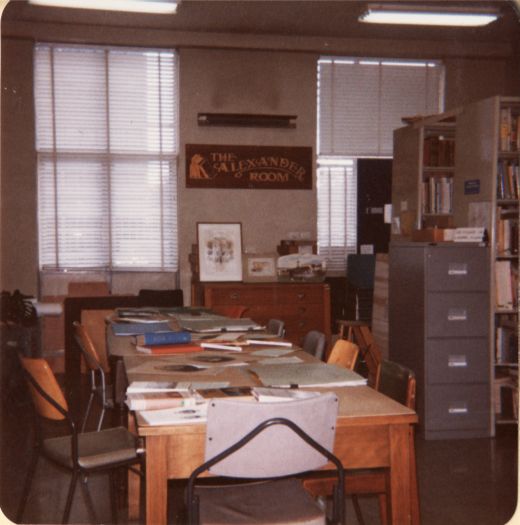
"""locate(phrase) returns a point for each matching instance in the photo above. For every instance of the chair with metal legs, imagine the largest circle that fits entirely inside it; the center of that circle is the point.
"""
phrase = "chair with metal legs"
(78, 453)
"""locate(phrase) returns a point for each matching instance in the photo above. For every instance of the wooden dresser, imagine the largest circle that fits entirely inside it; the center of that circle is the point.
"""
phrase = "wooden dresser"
(302, 306)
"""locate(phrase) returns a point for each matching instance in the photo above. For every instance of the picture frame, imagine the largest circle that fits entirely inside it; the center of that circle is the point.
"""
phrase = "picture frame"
(220, 251)
(260, 268)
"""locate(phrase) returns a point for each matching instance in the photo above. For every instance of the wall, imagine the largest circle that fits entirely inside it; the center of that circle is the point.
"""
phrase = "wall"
(246, 82)
(232, 78)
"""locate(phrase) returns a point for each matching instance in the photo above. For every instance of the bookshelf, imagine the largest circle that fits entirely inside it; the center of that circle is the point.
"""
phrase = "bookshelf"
(423, 170)
(488, 157)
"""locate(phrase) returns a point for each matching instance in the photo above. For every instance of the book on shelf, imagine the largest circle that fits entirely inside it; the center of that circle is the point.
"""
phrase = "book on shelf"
(172, 349)
(168, 337)
(509, 139)
(507, 231)
(506, 344)
(278, 395)
(505, 284)
(508, 180)
(159, 400)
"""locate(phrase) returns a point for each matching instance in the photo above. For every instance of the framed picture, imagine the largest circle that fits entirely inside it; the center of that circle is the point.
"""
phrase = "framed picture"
(220, 251)
(260, 267)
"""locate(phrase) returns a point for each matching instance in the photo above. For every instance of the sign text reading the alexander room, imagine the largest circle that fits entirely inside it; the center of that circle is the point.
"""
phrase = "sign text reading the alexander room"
(254, 167)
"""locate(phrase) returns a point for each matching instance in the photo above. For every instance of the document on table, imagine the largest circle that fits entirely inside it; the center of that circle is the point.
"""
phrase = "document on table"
(306, 374)
(175, 416)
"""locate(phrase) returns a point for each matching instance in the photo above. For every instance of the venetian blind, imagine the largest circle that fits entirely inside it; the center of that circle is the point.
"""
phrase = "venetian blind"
(363, 100)
(360, 103)
(106, 139)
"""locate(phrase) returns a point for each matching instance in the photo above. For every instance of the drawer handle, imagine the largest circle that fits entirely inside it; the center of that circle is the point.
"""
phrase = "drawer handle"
(302, 309)
(301, 296)
(234, 295)
(457, 314)
(457, 361)
(457, 269)
(301, 324)
(458, 410)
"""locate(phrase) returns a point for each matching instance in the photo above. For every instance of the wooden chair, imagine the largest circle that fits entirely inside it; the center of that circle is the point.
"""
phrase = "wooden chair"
(267, 443)
(314, 343)
(78, 453)
(359, 333)
(344, 353)
(99, 389)
(399, 383)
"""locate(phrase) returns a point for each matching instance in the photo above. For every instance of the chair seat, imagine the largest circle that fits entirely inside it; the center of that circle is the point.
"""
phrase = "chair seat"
(271, 502)
(96, 449)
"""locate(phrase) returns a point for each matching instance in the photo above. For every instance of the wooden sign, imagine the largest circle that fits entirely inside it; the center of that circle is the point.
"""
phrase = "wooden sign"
(254, 167)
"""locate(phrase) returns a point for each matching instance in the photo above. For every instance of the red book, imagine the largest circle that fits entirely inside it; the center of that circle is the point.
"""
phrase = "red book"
(168, 349)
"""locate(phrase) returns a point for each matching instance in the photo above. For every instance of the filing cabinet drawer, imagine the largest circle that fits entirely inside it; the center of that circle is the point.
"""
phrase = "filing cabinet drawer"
(457, 360)
(457, 270)
(457, 407)
(457, 315)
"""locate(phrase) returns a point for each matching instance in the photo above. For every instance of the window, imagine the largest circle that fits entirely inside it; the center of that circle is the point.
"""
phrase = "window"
(106, 140)
(360, 103)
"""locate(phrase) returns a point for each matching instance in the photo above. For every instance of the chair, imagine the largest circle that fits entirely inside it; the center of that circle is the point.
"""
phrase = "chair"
(360, 286)
(397, 382)
(99, 389)
(344, 353)
(314, 343)
(359, 332)
(79, 453)
(164, 298)
(265, 443)
(276, 327)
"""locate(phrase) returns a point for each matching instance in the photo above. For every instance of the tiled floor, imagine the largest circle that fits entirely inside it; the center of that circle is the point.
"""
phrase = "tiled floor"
(461, 482)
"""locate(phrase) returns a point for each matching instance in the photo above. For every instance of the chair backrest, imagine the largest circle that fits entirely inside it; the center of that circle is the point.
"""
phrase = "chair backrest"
(39, 370)
(166, 298)
(277, 450)
(314, 343)
(95, 325)
(87, 347)
(398, 382)
(276, 327)
(344, 353)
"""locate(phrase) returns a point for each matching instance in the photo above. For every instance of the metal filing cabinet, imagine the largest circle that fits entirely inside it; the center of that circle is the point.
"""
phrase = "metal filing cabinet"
(439, 327)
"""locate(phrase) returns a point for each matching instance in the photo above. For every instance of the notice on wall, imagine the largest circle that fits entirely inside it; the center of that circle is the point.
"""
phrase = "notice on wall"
(253, 167)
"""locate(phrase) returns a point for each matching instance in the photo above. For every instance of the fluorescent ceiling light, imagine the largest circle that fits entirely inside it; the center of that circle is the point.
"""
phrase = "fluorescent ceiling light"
(162, 7)
(431, 16)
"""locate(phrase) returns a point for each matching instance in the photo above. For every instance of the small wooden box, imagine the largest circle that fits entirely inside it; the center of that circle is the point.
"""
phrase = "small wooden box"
(428, 235)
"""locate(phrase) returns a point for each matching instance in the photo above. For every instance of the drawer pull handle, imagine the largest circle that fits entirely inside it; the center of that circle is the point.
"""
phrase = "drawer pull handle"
(457, 361)
(457, 269)
(458, 410)
(234, 295)
(457, 314)
(301, 296)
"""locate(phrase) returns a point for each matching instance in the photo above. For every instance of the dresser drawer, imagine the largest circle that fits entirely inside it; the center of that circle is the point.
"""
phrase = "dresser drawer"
(265, 294)
(457, 407)
(457, 269)
(457, 315)
(457, 360)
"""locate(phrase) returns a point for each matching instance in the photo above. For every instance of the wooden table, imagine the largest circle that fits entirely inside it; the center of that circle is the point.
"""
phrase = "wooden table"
(372, 431)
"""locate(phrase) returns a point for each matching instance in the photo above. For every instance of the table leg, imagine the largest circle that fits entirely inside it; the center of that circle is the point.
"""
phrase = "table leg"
(400, 487)
(156, 480)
